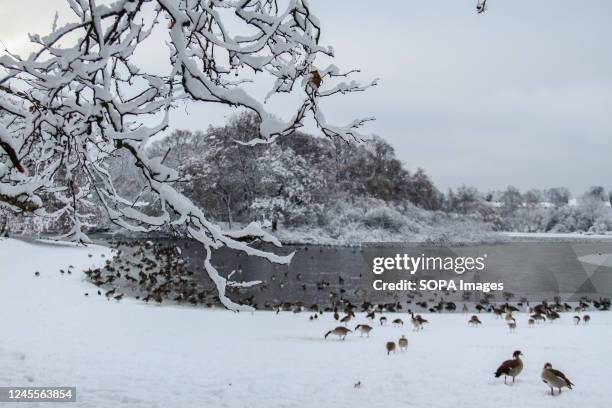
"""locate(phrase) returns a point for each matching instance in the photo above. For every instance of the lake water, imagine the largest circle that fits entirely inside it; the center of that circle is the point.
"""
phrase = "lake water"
(321, 274)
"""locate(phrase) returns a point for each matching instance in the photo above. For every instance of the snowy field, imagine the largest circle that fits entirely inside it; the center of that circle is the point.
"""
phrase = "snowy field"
(133, 354)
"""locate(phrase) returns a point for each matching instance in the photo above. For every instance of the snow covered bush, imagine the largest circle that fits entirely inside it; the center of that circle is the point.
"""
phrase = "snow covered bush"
(385, 218)
(82, 97)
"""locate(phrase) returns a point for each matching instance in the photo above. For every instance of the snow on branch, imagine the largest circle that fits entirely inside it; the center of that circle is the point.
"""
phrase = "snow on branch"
(68, 108)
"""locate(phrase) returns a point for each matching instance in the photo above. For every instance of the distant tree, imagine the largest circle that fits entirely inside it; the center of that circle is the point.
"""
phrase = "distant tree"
(466, 200)
(423, 192)
(533, 197)
(290, 189)
(558, 196)
(592, 211)
(597, 192)
(511, 200)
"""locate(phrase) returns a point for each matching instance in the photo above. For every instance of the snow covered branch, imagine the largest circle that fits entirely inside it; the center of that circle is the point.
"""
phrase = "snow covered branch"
(68, 108)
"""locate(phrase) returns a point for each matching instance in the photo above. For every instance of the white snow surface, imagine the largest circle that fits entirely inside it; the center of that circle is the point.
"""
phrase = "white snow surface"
(133, 354)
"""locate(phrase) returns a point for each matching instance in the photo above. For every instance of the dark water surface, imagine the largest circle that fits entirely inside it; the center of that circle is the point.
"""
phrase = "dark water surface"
(321, 274)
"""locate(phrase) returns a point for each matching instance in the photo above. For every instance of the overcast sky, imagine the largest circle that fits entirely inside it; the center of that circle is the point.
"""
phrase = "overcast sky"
(521, 95)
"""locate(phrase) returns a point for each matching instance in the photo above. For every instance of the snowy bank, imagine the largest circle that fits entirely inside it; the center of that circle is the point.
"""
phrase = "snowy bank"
(140, 355)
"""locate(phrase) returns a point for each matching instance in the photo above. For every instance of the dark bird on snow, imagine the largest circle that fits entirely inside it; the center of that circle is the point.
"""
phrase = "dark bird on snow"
(511, 368)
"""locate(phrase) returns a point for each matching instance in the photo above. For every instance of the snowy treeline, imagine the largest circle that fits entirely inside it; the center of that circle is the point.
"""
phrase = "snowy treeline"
(305, 188)
(294, 182)
(551, 210)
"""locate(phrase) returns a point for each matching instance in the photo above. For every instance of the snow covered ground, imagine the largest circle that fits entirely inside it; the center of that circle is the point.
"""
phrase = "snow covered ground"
(557, 235)
(133, 354)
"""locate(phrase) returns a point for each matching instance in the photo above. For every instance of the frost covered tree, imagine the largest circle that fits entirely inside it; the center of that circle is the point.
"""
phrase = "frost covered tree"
(290, 187)
(511, 200)
(81, 99)
(558, 196)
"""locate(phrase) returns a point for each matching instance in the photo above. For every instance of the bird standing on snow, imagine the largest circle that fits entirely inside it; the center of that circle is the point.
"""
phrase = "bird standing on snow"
(555, 378)
(390, 347)
(417, 321)
(511, 368)
(403, 343)
(474, 321)
(339, 331)
(363, 329)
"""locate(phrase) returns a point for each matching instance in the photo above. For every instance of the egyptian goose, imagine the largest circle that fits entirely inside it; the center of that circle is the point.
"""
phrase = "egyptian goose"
(339, 331)
(363, 329)
(390, 347)
(417, 321)
(511, 368)
(403, 343)
(555, 379)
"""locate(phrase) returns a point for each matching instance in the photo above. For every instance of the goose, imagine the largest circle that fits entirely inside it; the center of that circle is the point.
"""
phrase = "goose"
(511, 368)
(390, 347)
(474, 321)
(346, 319)
(512, 326)
(577, 319)
(538, 317)
(363, 329)
(383, 320)
(555, 379)
(552, 316)
(586, 319)
(403, 343)
(398, 322)
(339, 331)
(417, 321)
(531, 322)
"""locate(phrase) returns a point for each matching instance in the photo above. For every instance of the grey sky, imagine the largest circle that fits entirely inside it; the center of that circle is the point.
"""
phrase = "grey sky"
(521, 95)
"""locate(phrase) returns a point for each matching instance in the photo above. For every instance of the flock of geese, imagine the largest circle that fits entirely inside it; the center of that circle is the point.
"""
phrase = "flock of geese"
(541, 312)
(151, 273)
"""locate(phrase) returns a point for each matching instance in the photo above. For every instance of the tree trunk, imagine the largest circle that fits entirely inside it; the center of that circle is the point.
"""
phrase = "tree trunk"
(229, 211)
